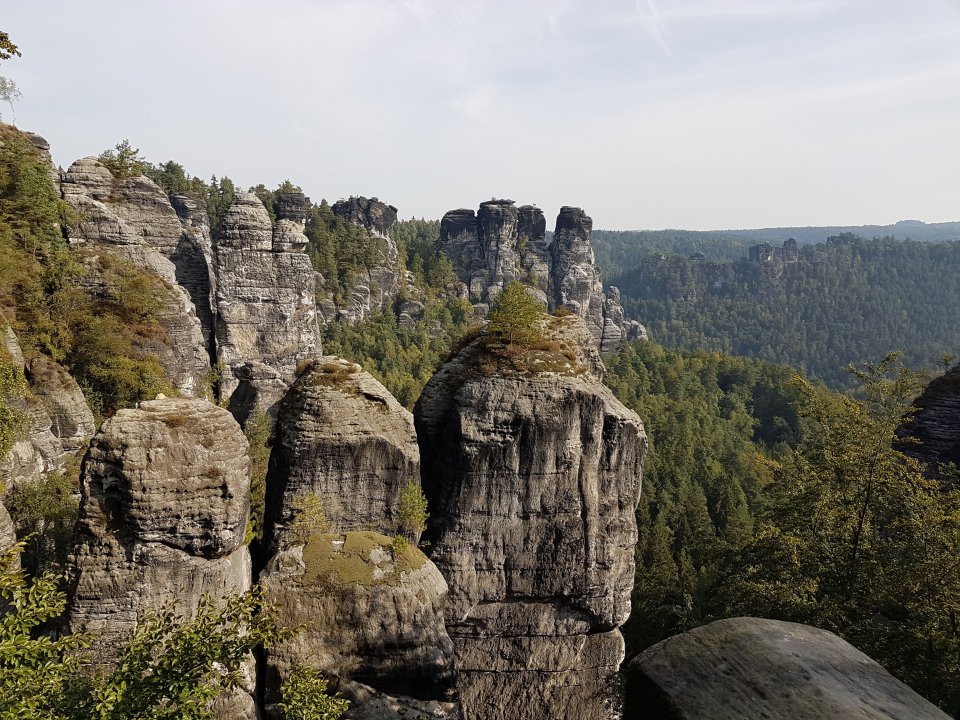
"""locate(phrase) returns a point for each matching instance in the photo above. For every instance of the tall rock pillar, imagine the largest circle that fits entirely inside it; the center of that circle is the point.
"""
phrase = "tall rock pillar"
(533, 480)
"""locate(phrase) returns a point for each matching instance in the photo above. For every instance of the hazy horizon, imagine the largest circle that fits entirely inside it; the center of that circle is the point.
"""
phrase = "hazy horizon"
(688, 114)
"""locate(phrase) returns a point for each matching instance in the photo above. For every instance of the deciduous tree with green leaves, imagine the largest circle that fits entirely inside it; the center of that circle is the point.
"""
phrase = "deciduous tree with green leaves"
(514, 317)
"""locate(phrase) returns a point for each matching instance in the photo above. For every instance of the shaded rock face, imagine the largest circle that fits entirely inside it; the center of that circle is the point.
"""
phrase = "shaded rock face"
(193, 260)
(376, 287)
(165, 495)
(264, 293)
(752, 668)
(342, 435)
(502, 243)
(133, 218)
(375, 216)
(935, 428)
(371, 618)
(532, 483)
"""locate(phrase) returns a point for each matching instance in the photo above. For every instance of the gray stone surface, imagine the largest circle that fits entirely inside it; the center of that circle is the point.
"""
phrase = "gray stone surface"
(369, 617)
(342, 435)
(752, 668)
(165, 499)
(533, 482)
(8, 533)
(72, 422)
(265, 290)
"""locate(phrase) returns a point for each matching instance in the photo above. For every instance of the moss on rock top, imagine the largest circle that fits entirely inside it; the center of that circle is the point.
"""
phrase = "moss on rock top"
(364, 558)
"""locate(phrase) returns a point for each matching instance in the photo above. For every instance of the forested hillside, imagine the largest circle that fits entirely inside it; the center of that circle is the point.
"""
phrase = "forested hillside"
(621, 250)
(768, 496)
(837, 303)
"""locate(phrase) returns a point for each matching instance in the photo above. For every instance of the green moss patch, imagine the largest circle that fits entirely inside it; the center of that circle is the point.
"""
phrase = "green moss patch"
(364, 558)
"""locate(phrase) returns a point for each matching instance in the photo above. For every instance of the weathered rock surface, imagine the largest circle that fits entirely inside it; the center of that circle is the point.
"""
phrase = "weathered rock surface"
(72, 422)
(342, 435)
(8, 533)
(533, 481)
(265, 290)
(165, 499)
(376, 286)
(375, 216)
(132, 218)
(502, 243)
(38, 451)
(753, 668)
(193, 260)
(371, 618)
(575, 281)
(935, 428)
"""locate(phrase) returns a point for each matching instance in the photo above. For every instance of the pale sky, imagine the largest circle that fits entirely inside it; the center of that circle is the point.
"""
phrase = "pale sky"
(698, 114)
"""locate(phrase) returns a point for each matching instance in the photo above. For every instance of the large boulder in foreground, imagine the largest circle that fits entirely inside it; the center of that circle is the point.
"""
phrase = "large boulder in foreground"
(532, 469)
(165, 496)
(371, 616)
(341, 435)
(752, 668)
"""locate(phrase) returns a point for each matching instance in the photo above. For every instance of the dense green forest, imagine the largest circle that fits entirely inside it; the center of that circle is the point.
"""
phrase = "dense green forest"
(767, 495)
(620, 250)
(840, 302)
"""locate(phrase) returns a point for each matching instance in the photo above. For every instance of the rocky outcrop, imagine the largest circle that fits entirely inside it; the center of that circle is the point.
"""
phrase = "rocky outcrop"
(375, 216)
(341, 435)
(132, 218)
(502, 243)
(377, 285)
(8, 533)
(533, 480)
(163, 515)
(37, 451)
(498, 244)
(752, 668)
(575, 282)
(193, 260)
(265, 292)
(371, 617)
(72, 422)
(932, 435)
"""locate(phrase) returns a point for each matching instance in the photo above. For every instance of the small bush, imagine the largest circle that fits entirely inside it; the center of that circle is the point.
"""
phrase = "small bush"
(309, 519)
(412, 512)
(304, 696)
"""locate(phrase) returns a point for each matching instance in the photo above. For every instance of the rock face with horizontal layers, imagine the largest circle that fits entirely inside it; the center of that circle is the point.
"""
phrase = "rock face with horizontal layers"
(935, 428)
(165, 496)
(265, 290)
(132, 218)
(752, 668)
(502, 243)
(341, 435)
(533, 477)
(371, 617)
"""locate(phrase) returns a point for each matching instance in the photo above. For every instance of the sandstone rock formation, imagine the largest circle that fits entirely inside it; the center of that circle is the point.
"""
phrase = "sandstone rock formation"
(165, 500)
(8, 533)
(72, 422)
(372, 618)
(38, 451)
(502, 243)
(377, 286)
(935, 428)
(342, 435)
(133, 219)
(265, 291)
(533, 481)
(752, 668)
